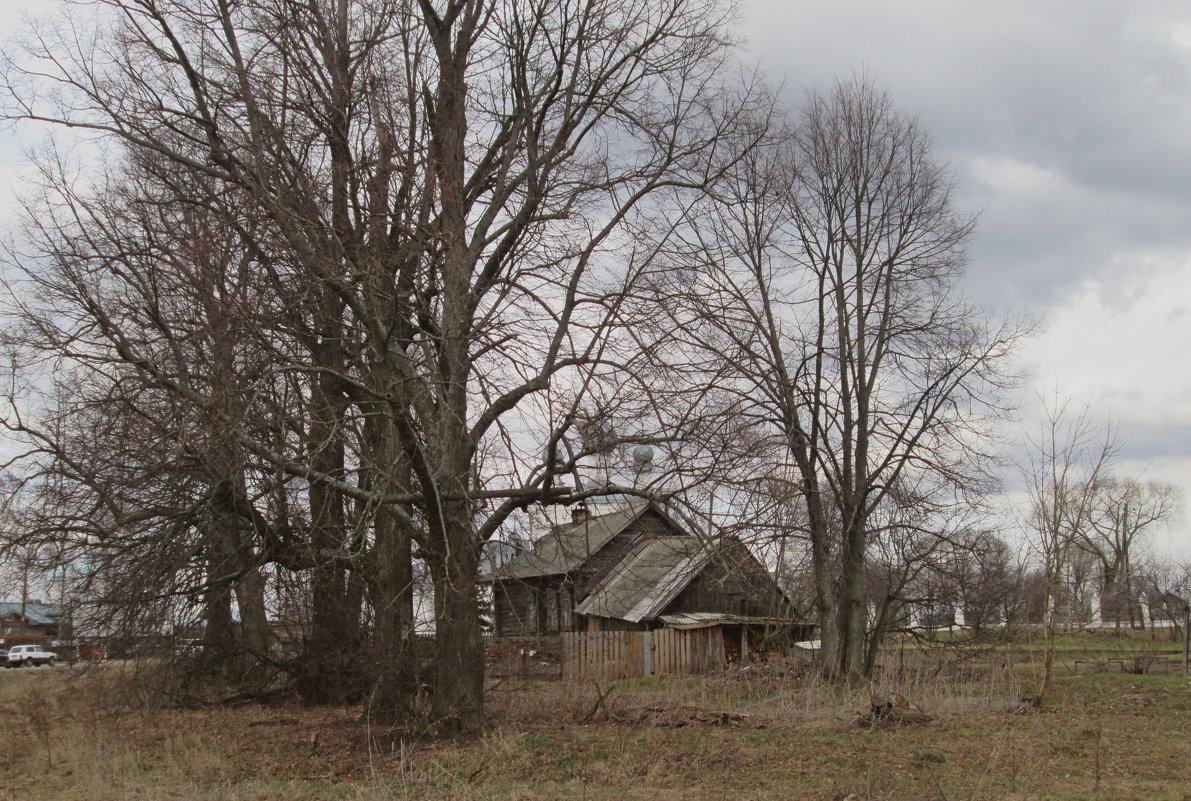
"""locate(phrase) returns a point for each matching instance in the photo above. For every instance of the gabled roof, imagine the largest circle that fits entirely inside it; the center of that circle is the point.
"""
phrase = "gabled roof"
(36, 613)
(647, 579)
(567, 548)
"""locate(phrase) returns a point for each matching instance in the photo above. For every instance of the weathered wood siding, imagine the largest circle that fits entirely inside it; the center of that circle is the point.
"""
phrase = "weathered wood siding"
(512, 602)
(603, 655)
(734, 583)
(678, 652)
(606, 655)
(604, 559)
(532, 607)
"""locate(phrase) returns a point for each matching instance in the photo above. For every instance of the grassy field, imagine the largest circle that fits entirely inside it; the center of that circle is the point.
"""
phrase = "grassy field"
(773, 731)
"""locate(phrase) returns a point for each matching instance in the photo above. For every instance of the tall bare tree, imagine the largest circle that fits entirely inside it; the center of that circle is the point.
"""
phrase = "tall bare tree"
(128, 468)
(1068, 457)
(825, 276)
(1127, 509)
(439, 202)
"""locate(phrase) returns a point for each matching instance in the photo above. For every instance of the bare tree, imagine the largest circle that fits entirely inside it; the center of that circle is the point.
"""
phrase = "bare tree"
(1165, 587)
(438, 203)
(990, 578)
(1068, 457)
(22, 562)
(824, 277)
(1127, 509)
(119, 462)
(913, 556)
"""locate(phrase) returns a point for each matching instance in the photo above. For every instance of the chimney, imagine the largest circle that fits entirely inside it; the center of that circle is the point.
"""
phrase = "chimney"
(579, 513)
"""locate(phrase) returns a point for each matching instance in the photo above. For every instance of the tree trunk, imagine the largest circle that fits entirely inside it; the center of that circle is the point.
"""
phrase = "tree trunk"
(1049, 626)
(324, 675)
(237, 568)
(1110, 600)
(826, 593)
(254, 623)
(826, 607)
(889, 608)
(459, 674)
(219, 635)
(390, 584)
(853, 606)
(396, 680)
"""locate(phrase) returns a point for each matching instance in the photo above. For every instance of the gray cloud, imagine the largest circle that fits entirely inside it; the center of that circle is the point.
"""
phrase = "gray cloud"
(1144, 443)
(1094, 96)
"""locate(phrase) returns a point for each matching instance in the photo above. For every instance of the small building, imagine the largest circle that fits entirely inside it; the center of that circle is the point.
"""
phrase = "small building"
(31, 622)
(637, 569)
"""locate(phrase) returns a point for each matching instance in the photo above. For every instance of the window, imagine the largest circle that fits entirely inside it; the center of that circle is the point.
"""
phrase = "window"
(564, 611)
(551, 611)
(532, 622)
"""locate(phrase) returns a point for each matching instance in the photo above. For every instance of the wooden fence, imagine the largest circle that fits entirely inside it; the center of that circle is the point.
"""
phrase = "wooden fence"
(606, 655)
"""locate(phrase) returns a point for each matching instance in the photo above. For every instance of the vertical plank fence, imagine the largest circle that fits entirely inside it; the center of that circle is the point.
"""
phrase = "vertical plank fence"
(678, 652)
(605, 655)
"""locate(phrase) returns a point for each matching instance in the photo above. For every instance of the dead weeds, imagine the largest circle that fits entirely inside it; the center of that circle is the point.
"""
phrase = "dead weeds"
(774, 731)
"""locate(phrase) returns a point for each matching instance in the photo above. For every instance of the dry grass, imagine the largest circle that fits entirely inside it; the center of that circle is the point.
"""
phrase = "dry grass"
(784, 734)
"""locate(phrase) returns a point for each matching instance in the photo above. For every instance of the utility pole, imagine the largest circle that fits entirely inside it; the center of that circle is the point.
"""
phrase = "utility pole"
(24, 588)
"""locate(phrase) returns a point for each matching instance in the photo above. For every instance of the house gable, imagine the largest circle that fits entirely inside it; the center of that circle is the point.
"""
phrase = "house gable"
(32, 613)
(29, 622)
(649, 524)
(646, 579)
(12, 620)
(565, 548)
(676, 575)
(734, 582)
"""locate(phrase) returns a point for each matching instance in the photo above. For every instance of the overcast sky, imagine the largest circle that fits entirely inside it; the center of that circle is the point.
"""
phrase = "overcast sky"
(1068, 126)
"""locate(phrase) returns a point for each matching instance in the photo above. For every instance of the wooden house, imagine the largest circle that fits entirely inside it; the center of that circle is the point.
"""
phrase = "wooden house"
(31, 622)
(630, 570)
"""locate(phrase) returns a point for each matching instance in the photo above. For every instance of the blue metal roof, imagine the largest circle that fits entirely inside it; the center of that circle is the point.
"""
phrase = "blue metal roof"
(36, 613)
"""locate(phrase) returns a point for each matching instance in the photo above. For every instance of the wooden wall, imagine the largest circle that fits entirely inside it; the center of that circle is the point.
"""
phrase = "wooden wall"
(512, 607)
(678, 652)
(532, 606)
(734, 583)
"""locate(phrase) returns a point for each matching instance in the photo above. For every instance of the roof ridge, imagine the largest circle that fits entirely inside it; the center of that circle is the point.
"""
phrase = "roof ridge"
(563, 549)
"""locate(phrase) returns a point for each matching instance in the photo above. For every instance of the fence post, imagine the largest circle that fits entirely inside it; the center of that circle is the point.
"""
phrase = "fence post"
(1186, 637)
(648, 646)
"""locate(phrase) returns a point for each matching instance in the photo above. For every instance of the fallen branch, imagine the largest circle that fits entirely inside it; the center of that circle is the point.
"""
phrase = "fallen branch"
(601, 696)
